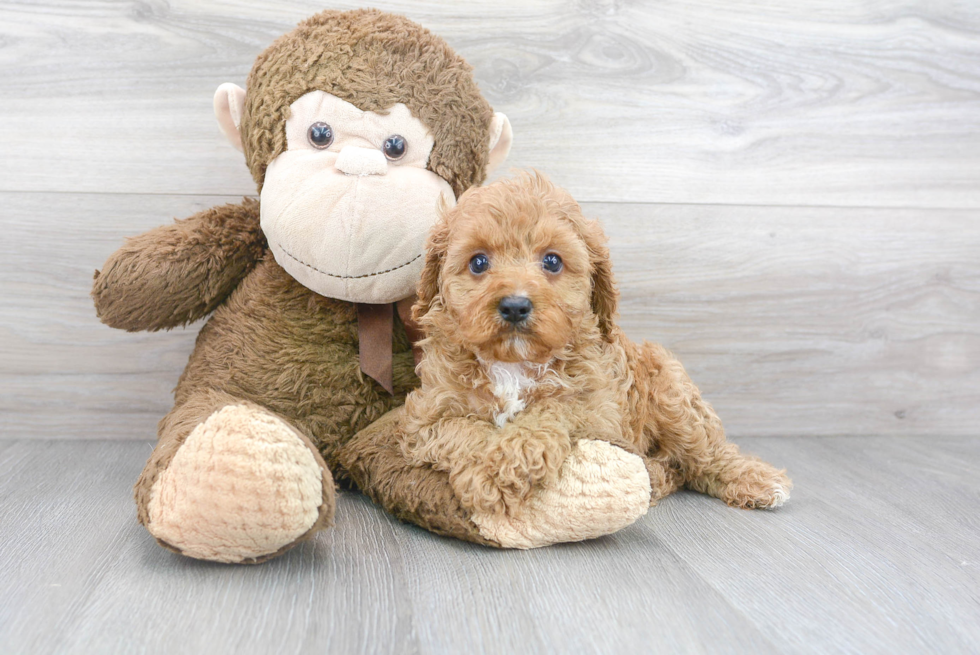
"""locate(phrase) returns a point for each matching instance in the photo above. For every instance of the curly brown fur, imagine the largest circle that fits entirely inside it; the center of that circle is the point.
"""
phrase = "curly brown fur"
(578, 376)
(373, 60)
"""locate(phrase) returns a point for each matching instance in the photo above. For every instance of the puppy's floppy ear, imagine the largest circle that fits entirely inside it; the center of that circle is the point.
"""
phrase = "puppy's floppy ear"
(436, 246)
(605, 295)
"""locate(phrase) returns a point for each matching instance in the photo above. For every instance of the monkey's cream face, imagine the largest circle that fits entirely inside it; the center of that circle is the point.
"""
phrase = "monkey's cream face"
(347, 206)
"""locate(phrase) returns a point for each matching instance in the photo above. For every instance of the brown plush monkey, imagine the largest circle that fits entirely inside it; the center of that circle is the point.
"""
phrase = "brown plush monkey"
(355, 127)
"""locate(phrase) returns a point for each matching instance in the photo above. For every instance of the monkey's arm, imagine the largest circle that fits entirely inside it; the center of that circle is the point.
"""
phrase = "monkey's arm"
(601, 489)
(176, 274)
(421, 494)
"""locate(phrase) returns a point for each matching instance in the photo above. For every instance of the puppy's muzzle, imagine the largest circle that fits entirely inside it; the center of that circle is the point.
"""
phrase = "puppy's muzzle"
(515, 309)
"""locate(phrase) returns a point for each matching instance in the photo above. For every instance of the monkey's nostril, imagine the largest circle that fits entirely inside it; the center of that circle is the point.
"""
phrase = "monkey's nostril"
(515, 309)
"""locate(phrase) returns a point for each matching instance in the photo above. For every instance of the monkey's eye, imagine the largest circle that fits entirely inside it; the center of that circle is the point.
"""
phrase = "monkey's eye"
(479, 264)
(395, 147)
(320, 135)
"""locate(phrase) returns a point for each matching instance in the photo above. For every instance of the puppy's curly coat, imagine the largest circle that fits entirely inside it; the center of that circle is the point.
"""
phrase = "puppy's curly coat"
(504, 398)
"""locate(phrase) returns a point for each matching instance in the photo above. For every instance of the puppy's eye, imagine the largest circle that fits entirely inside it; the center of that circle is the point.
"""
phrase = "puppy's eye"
(479, 264)
(395, 147)
(551, 262)
(320, 135)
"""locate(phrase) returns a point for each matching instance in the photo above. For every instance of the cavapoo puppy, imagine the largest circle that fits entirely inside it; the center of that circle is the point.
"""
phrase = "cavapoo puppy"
(523, 358)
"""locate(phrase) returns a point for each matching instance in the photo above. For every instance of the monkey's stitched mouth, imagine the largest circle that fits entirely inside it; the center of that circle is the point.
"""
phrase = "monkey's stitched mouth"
(349, 277)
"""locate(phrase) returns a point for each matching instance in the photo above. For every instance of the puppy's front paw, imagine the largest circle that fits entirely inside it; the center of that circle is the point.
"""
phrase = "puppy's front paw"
(501, 479)
(599, 489)
(478, 491)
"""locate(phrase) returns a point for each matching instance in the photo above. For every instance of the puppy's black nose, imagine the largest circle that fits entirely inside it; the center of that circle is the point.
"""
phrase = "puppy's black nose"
(515, 309)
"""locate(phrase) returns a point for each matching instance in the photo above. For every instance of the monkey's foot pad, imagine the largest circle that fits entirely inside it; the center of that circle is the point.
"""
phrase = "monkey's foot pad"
(242, 486)
(600, 489)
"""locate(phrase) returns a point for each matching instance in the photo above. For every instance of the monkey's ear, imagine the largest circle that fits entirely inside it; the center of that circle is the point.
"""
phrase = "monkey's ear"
(229, 103)
(501, 138)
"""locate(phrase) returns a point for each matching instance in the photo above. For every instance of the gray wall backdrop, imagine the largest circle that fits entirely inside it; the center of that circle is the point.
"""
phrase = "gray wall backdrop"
(792, 190)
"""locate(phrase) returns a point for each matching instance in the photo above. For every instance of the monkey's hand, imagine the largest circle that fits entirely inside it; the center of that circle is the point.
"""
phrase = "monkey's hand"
(176, 274)
(599, 489)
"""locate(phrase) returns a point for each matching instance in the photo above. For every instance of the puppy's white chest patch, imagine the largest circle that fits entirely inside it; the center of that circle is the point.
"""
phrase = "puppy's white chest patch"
(509, 382)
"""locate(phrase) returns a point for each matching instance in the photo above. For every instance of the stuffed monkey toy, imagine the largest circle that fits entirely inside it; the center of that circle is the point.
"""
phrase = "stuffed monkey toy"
(356, 126)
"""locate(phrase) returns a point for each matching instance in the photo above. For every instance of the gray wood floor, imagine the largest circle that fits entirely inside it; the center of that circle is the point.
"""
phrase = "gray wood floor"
(878, 551)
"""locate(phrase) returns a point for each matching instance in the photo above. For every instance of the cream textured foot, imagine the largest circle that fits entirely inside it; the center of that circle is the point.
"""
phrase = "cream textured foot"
(600, 489)
(241, 486)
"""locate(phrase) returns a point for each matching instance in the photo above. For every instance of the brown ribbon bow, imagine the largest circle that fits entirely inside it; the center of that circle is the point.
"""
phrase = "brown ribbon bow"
(375, 333)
